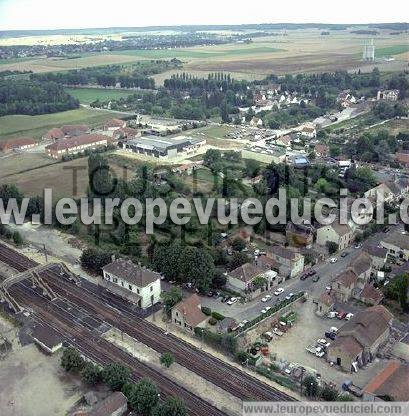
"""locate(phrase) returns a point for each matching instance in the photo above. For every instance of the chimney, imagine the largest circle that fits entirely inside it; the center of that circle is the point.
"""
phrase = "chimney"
(113, 258)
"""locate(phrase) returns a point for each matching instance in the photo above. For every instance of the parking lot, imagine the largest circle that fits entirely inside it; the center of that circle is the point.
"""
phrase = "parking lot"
(291, 347)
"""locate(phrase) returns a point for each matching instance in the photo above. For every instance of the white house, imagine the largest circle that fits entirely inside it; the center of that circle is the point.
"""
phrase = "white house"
(341, 234)
(132, 281)
(290, 262)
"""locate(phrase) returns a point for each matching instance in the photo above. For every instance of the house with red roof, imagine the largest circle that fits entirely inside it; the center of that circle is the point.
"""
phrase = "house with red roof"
(19, 143)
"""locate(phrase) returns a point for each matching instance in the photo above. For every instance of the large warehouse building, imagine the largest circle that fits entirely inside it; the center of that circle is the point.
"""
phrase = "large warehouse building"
(163, 147)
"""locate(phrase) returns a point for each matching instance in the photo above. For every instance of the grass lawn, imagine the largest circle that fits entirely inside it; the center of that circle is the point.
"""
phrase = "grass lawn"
(391, 50)
(36, 126)
(88, 95)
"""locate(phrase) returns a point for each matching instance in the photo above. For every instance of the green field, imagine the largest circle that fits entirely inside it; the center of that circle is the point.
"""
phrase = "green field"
(36, 126)
(391, 50)
(88, 95)
(198, 53)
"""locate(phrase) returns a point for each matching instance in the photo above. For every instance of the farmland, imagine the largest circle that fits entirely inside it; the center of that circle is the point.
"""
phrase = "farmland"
(36, 172)
(88, 95)
(36, 126)
(295, 51)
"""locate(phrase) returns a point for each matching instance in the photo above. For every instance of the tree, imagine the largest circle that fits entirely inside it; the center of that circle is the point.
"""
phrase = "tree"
(329, 394)
(252, 167)
(171, 298)
(398, 290)
(91, 374)
(143, 396)
(18, 239)
(167, 359)
(115, 376)
(345, 397)
(332, 247)
(238, 259)
(238, 244)
(71, 360)
(311, 388)
(94, 259)
(197, 265)
(172, 407)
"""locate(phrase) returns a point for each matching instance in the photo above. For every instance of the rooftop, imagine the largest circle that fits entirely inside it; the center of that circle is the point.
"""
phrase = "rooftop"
(131, 272)
(190, 308)
(392, 381)
(246, 273)
(113, 403)
(75, 141)
(398, 239)
(284, 252)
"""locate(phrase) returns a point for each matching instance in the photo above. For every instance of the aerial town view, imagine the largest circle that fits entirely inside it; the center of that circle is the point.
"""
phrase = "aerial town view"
(204, 209)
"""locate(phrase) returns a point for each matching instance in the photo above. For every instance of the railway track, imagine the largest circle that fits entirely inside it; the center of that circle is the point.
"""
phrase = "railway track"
(103, 352)
(224, 375)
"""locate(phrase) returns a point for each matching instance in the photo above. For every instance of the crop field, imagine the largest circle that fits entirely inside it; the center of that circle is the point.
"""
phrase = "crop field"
(88, 95)
(290, 52)
(36, 126)
(54, 175)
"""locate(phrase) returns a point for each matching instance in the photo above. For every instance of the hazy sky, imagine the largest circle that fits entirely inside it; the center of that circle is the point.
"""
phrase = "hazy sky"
(50, 14)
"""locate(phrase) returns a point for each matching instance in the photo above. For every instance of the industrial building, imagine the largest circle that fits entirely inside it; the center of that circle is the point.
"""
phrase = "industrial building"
(163, 147)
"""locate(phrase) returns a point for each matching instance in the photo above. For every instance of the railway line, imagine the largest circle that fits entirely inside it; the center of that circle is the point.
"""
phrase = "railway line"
(103, 352)
(120, 315)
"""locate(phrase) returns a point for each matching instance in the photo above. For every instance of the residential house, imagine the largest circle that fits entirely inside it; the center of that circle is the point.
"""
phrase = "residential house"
(378, 255)
(370, 295)
(290, 262)
(382, 190)
(249, 278)
(309, 132)
(397, 245)
(19, 143)
(325, 304)
(391, 384)
(402, 157)
(188, 315)
(133, 282)
(187, 168)
(116, 404)
(341, 234)
(256, 122)
(388, 95)
(344, 285)
(71, 130)
(299, 235)
(54, 134)
(345, 99)
(76, 144)
(283, 141)
(321, 150)
(226, 325)
(114, 124)
(358, 341)
(125, 133)
(361, 265)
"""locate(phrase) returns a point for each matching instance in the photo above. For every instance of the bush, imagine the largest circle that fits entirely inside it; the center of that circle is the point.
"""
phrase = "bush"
(218, 316)
(18, 239)
(212, 321)
(206, 311)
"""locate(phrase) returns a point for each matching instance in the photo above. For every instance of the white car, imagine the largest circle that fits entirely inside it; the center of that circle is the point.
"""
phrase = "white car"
(333, 329)
(279, 291)
(323, 342)
(333, 260)
(266, 298)
(349, 316)
(263, 311)
(289, 296)
(267, 308)
(278, 332)
(231, 301)
(319, 352)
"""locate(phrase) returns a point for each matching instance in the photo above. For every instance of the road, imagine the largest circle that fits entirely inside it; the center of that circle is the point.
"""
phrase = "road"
(327, 271)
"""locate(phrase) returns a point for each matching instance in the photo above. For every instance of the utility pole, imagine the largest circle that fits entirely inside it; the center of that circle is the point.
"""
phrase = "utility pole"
(45, 254)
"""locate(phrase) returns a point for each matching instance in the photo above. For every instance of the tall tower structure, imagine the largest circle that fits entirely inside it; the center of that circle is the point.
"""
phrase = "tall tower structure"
(369, 51)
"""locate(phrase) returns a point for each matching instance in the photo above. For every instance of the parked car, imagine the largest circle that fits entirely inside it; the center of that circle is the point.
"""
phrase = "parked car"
(357, 246)
(334, 329)
(304, 276)
(289, 296)
(225, 299)
(267, 308)
(278, 332)
(266, 298)
(341, 314)
(319, 352)
(263, 311)
(278, 291)
(344, 254)
(333, 260)
(231, 301)
(268, 336)
(316, 278)
(348, 316)
(323, 342)
(312, 272)
(331, 335)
